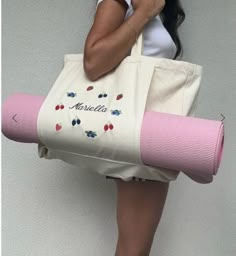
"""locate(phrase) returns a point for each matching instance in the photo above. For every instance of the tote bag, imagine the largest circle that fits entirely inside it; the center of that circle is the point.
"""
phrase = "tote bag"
(96, 125)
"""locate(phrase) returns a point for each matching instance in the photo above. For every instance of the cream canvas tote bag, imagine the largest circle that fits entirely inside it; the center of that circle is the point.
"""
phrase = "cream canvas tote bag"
(96, 125)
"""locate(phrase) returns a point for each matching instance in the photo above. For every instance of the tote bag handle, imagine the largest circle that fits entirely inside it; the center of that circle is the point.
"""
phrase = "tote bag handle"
(137, 48)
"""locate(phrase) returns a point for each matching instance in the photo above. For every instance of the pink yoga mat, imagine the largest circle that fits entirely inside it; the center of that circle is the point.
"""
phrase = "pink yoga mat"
(188, 144)
(19, 117)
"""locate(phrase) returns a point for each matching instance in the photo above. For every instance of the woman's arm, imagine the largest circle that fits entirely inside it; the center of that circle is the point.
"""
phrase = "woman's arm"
(110, 38)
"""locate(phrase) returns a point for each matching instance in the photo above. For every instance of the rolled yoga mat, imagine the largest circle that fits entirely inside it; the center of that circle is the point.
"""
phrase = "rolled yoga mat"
(188, 144)
(19, 117)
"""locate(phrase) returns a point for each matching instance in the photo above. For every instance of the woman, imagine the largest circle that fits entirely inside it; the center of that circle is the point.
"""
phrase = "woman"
(117, 24)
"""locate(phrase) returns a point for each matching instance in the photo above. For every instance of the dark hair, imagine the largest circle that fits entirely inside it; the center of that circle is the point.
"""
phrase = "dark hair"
(172, 16)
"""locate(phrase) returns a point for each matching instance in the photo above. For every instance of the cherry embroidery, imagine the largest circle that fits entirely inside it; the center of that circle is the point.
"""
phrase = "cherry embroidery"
(108, 126)
(59, 107)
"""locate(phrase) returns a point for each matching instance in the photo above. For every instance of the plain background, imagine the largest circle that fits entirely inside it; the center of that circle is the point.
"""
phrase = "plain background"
(51, 208)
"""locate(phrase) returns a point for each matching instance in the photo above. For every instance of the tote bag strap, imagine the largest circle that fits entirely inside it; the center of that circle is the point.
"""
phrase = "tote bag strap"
(137, 48)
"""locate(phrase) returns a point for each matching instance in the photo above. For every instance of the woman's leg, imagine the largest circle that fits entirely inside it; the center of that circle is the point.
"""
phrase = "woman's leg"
(139, 210)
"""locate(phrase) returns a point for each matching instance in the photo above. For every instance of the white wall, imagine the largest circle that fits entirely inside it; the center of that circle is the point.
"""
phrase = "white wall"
(51, 208)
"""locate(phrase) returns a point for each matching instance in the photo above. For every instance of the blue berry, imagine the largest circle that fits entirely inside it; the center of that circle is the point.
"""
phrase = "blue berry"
(73, 122)
(116, 112)
(93, 134)
(71, 94)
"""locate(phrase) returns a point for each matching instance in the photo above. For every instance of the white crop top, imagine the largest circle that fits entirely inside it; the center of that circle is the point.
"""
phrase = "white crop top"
(157, 41)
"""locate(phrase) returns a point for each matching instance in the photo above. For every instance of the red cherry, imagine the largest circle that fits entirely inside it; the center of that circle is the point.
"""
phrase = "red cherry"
(57, 107)
(105, 127)
(62, 106)
(58, 127)
(111, 127)
(90, 88)
(120, 96)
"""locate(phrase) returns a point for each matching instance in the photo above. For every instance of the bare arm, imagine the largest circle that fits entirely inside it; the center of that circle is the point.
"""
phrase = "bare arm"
(110, 37)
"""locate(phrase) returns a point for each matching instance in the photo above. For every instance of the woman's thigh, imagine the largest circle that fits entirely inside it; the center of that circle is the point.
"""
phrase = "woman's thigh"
(139, 210)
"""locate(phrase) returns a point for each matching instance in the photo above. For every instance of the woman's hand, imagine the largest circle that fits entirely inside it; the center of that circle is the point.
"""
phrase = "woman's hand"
(151, 8)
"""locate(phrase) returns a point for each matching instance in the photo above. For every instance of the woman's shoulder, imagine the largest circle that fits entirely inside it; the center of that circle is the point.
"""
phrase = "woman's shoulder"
(127, 1)
(129, 10)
